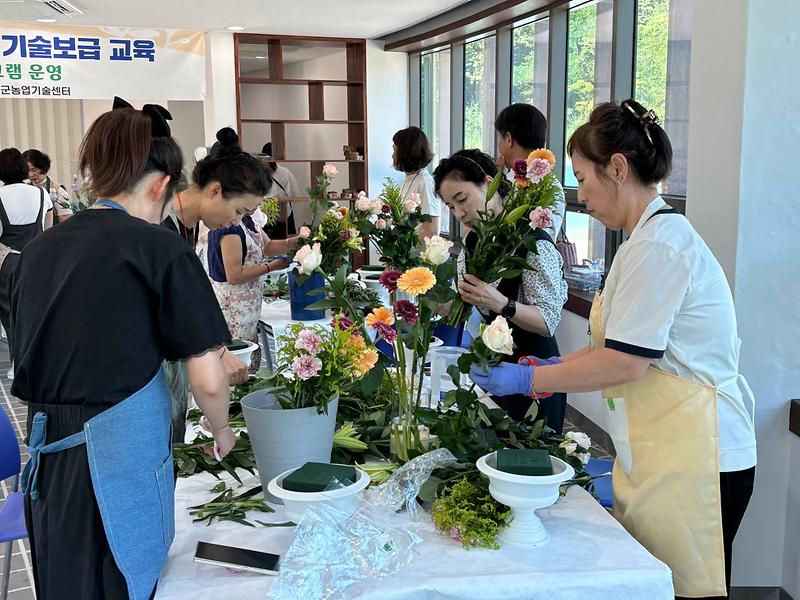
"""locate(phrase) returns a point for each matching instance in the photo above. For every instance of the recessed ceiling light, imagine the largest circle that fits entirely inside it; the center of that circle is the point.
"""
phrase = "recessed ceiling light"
(235, 28)
(45, 20)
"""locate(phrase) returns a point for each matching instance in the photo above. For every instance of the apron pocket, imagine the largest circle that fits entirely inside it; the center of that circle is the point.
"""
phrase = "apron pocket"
(166, 494)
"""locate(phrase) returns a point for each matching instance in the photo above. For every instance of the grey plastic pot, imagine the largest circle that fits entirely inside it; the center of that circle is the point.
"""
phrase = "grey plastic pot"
(284, 439)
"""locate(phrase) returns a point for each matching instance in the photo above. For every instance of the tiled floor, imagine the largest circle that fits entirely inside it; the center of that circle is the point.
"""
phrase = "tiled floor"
(21, 579)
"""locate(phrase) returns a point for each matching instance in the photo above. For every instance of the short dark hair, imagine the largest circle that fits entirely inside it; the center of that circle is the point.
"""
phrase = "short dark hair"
(628, 129)
(468, 165)
(413, 150)
(38, 159)
(13, 167)
(119, 150)
(526, 124)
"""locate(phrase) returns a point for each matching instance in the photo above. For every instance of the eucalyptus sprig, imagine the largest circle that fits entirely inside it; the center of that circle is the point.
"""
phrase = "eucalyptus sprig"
(230, 507)
(192, 458)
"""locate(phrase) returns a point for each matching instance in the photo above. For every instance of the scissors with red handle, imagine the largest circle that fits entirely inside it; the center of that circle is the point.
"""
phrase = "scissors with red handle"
(527, 360)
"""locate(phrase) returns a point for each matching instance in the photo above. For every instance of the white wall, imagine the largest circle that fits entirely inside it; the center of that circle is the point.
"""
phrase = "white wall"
(220, 103)
(571, 335)
(387, 110)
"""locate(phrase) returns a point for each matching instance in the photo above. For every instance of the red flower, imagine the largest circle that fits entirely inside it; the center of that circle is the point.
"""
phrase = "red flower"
(407, 311)
(346, 235)
(386, 332)
(388, 279)
(341, 322)
(386, 209)
(520, 169)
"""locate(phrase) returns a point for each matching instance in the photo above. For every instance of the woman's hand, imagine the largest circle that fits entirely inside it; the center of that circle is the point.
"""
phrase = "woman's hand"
(234, 368)
(278, 264)
(480, 294)
(224, 441)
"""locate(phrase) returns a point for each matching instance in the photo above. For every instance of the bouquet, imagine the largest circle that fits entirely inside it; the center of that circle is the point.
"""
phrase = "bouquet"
(501, 235)
(316, 363)
(329, 244)
(391, 222)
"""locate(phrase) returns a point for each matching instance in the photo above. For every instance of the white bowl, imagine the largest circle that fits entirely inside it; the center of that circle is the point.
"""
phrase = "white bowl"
(245, 354)
(297, 503)
(524, 494)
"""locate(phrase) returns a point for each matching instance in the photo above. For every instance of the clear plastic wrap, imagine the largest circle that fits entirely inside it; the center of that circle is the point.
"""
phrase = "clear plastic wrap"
(339, 553)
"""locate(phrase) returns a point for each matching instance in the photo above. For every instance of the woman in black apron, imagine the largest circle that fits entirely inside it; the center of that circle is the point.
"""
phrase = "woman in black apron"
(114, 295)
(20, 198)
(532, 301)
(38, 174)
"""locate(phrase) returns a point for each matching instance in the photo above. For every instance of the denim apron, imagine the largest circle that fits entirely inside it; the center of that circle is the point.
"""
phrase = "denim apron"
(134, 490)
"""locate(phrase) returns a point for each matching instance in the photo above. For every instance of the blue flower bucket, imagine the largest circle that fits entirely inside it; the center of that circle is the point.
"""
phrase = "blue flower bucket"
(299, 297)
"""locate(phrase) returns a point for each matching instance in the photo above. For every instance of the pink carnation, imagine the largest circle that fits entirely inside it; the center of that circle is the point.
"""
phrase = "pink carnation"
(407, 311)
(388, 279)
(541, 217)
(306, 366)
(309, 341)
(537, 169)
(386, 331)
(342, 322)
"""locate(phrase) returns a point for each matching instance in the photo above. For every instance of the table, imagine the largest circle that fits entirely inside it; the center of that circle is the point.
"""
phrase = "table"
(589, 556)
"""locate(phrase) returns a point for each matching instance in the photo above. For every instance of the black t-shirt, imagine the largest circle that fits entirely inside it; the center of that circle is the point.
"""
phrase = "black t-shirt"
(99, 301)
(176, 225)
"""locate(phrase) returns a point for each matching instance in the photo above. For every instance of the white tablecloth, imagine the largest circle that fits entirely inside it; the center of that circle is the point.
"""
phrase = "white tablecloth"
(589, 557)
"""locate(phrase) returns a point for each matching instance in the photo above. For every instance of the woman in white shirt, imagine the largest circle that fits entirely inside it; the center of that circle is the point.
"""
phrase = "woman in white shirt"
(665, 352)
(25, 211)
(411, 154)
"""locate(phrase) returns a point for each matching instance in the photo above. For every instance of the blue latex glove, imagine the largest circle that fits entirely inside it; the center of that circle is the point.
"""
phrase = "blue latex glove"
(554, 360)
(505, 379)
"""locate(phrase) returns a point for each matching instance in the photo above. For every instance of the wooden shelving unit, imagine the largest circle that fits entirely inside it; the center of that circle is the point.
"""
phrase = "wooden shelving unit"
(265, 59)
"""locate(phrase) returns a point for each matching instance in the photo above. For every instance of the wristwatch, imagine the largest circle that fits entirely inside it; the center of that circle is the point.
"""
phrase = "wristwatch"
(510, 309)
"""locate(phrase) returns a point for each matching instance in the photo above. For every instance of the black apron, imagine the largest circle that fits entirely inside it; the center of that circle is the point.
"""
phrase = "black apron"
(15, 237)
(527, 343)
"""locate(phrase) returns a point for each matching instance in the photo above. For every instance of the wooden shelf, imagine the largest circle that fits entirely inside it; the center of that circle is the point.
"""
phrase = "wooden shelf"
(267, 80)
(304, 121)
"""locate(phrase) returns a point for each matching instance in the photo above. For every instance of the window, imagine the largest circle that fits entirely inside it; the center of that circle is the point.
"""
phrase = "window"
(529, 68)
(479, 88)
(663, 52)
(588, 67)
(435, 112)
(588, 235)
(435, 101)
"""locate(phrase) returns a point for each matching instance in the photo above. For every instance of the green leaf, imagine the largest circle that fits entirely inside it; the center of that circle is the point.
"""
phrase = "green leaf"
(514, 215)
(532, 412)
(495, 185)
(511, 273)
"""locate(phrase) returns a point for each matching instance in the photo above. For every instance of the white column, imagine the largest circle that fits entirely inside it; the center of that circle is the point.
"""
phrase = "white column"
(220, 103)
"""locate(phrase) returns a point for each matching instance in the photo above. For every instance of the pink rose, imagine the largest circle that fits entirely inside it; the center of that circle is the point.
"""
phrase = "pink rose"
(375, 207)
(305, 231)
(309, 341)
(306, 366)
(329, 170)
(541, 217)
(537, 169)
(411, 203)
(380, 224)
(363, 203)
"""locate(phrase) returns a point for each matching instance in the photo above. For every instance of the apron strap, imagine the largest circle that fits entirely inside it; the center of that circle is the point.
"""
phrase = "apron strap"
(37, 447)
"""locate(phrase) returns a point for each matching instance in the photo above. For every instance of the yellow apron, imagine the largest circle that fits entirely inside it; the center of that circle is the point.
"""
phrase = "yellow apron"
(666, 476)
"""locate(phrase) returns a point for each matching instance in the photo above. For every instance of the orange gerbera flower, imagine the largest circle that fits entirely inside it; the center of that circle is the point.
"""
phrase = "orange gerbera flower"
(542, 153)
(380, 315)
(367, 360)
(358, 341)
(416, 281)
(522, 182)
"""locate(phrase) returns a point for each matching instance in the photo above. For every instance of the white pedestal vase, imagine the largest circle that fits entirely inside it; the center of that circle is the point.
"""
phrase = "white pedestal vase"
(296, 503)
(524, 495)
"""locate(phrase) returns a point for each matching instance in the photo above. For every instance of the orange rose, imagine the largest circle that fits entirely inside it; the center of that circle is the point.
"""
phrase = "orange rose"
(542, 153)
(416, 281)
(380, 315)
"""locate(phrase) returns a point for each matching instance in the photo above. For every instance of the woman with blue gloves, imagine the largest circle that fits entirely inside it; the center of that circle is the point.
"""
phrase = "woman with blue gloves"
(665, 352)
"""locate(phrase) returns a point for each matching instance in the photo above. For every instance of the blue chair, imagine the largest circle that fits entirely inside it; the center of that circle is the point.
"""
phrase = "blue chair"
(12, 514)
(602, 485)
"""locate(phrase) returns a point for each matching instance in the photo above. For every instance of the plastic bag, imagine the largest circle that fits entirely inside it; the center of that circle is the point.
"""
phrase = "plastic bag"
(341, 553)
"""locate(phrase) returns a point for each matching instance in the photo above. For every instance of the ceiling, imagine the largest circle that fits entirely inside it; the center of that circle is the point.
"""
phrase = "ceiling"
(343, 18)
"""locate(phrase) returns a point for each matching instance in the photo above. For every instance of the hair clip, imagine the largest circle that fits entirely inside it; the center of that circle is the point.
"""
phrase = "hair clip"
(157, 113)
(645, 119)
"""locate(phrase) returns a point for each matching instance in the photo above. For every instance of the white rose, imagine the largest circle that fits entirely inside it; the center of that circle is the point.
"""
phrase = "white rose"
(584, 456)
(437, 250)
(411, 203)
(309, 257)
(497, 336)
(363, 204)
(330, 170)
(376, 206)
(579, 438)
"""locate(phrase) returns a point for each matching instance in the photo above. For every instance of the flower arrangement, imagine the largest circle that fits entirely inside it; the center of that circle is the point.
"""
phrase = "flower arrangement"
(408, 328)
(329, 244)
(391, 222)
(316, 363)
(502, 235)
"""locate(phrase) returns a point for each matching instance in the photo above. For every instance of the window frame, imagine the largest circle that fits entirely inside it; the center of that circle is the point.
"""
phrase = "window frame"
(622, 84)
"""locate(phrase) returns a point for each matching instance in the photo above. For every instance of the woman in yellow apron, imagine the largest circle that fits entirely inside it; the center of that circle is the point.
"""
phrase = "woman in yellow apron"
(665, 352)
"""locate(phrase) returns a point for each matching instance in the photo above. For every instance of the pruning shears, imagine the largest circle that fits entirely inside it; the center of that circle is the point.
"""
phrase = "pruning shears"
(527, 360)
